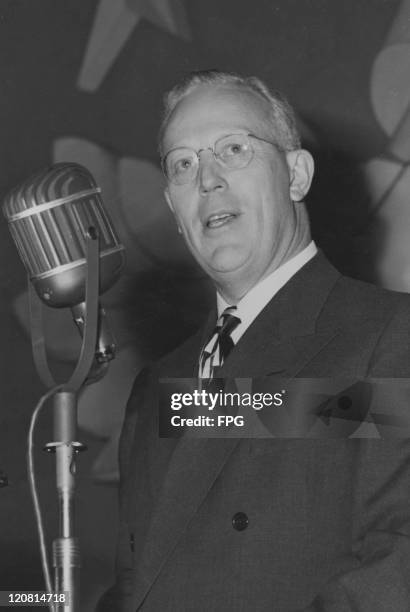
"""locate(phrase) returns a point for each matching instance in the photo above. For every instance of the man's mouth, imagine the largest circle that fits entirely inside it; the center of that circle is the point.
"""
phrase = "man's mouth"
(219, 219)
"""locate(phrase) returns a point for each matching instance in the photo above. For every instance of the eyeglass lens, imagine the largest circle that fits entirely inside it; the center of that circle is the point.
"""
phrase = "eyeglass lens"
(234, 151)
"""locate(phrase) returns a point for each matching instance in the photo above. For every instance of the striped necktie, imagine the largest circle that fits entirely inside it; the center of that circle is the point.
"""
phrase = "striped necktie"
(220, 345)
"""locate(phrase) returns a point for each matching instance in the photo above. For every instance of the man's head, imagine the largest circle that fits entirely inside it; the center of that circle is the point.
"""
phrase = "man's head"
(237, 201)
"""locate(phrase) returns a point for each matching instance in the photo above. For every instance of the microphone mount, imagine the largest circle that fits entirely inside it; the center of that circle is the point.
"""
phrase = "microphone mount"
(66, 550)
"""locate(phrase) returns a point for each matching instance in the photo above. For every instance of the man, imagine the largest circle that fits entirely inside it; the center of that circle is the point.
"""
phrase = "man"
(262, 524)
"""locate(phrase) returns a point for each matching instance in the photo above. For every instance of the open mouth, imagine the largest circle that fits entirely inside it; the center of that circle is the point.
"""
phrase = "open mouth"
(219, 220)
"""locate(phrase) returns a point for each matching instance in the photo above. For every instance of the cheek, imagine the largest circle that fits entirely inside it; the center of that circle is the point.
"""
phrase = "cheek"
(190, 227)
(273, 178)
(182, 214)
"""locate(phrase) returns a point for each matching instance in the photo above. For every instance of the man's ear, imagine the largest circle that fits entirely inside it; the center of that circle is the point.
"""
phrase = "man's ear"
(301, 169)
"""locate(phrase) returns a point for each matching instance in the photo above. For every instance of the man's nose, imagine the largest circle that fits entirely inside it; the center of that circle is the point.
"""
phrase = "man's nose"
(210, 174)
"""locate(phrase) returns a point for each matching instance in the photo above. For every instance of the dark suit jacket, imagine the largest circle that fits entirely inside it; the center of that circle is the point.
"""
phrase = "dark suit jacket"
(329, 519)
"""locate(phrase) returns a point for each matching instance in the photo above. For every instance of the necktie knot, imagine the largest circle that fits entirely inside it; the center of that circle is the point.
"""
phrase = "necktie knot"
(220, 345)
(228, 321)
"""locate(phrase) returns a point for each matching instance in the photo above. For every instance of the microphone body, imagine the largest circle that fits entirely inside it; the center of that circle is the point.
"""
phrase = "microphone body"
(49, 216)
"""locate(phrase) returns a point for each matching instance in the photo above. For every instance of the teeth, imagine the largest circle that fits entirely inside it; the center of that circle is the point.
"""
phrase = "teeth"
(217, 220)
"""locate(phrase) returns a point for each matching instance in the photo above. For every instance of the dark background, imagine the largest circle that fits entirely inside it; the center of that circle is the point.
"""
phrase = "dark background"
(318, 52)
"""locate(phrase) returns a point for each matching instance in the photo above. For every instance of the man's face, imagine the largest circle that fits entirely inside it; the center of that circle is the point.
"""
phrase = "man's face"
(238, 224)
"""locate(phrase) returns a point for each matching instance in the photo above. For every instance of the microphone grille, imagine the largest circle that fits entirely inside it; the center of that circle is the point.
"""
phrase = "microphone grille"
(53, 183)
(49, 216)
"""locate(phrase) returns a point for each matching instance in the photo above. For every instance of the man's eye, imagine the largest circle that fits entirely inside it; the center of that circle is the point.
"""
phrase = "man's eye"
(232, 149)
(182, 165)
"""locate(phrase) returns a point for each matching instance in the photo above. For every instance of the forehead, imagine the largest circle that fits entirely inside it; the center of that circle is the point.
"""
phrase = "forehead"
(211, 111)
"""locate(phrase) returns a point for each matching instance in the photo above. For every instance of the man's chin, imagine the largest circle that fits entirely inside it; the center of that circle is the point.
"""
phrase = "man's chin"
(225, 261)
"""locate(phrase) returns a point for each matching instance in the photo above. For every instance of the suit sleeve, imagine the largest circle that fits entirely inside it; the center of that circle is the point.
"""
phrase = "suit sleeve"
(379, 580)
(118, 597)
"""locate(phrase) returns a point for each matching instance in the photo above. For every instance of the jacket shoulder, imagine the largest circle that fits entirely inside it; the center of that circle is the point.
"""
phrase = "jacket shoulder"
(357, 300)
(379, 319)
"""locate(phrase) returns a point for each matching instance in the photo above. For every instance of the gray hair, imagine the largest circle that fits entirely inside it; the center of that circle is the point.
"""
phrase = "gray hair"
(282, 116)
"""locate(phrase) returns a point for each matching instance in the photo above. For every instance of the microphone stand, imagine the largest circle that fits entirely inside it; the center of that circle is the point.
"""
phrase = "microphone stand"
(66, 550)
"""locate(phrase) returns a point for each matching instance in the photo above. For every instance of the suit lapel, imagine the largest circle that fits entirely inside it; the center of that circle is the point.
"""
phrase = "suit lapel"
(290, 330)
(194, 467)
(281, 340)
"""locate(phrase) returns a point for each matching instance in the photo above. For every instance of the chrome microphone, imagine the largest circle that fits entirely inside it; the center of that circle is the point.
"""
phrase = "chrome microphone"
(50, 216)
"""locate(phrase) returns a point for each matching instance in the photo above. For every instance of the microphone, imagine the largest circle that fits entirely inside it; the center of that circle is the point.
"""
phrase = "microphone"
(49, 217)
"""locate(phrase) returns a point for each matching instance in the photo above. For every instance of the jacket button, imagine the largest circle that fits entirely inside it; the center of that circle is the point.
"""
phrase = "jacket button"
(240, 521)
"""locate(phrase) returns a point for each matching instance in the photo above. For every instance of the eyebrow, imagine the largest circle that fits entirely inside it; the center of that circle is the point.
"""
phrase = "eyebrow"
(245, 131)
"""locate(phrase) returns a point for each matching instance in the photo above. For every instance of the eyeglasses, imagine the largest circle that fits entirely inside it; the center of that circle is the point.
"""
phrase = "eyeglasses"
(180, 165)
